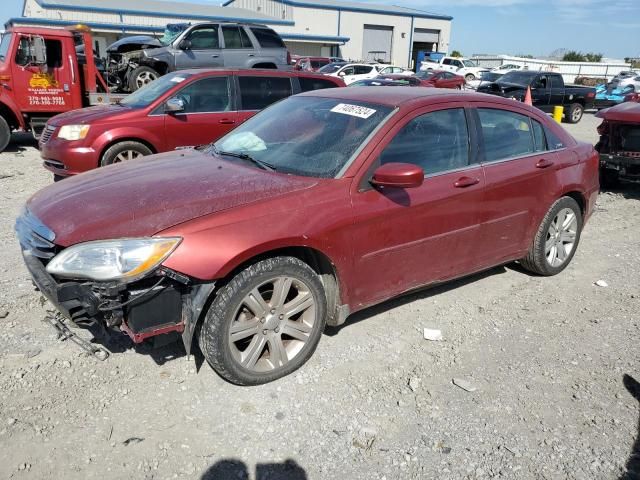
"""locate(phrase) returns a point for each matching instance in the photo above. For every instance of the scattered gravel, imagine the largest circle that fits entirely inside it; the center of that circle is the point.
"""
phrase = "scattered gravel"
(547, 356)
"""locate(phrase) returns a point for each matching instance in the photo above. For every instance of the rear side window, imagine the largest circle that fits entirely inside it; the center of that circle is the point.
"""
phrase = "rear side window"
(436, 141)
(267, 38)
(206, 96)
(235, 37)
(204, 38)
(446, 61)
(539, 139)
(553, 140)
(308, 84)
(362, 69)
(506, 134)
(257, 93)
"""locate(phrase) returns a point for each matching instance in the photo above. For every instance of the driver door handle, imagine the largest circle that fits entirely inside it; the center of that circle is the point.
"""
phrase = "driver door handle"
(544, 163)
(464, 182)
(226, 121)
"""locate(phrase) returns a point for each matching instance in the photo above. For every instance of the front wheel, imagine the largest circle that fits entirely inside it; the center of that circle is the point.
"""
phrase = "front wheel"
(265, 323)
(124, 151)
(574, 115)
(469, 77)
(141, 76)
(5, 134)
(556, 240)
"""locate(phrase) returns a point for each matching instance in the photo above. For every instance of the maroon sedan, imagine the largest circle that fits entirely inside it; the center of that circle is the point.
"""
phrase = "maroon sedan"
(441, 79)
(253, 245)
(186, 108)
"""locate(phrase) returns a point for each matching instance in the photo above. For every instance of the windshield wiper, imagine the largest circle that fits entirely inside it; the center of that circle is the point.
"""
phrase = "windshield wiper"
(243, 156)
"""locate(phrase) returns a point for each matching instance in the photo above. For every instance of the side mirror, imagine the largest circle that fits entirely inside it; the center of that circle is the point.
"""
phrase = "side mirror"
(398, 175)
(174, 105)
(185, 44)
(38, 51)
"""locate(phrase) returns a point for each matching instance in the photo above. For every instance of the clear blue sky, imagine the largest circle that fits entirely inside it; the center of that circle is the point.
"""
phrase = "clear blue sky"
(535, 27)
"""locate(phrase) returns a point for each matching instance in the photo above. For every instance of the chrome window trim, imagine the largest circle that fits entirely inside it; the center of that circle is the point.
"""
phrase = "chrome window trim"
(534, 154)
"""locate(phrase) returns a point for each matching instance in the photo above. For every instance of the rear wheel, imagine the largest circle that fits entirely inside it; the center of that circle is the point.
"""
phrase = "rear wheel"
(141, 76)
(469, 77)
(124, 151)
(5, 134)
(57, 178)
(265, 323)
(556, 240)
(574, 114)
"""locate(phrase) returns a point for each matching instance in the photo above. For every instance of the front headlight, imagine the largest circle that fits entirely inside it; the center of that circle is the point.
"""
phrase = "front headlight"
(73, 132)
(113, 260)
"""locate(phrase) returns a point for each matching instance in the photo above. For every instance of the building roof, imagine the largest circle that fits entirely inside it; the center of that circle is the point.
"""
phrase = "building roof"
(165, 9)
(362, 7)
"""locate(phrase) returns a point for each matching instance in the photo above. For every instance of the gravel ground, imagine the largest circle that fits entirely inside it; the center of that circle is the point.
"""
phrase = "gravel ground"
(547, 358)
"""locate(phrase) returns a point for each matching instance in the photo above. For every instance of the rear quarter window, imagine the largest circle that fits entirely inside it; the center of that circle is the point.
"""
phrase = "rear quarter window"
(257, 93)
(267, 38)
(308, 84)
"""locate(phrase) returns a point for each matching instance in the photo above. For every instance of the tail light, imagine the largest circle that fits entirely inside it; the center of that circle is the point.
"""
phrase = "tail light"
(591, 94)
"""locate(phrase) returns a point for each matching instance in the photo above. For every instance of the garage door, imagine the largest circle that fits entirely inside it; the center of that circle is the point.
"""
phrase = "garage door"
(304, 49)
(377, 42)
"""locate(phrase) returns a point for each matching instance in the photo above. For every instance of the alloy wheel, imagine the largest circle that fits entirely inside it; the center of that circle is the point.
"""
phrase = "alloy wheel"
(561, 237)
(272, 324)
(126, 156)
(144, 78)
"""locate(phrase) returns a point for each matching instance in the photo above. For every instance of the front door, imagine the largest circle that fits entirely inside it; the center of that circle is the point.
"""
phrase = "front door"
(520, 172)
(209, 113)
(404, 238)
(541, 93)
(54, 87)
(203, 50)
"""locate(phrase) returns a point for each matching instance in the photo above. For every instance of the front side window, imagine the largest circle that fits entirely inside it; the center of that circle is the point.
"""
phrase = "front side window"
(4, 46)
(320, 138)
(436, 142)
(235, 37)
(208, 95)
(348, 71)
(204, 38)
(259, 92)
(267, 38)
(506, 134)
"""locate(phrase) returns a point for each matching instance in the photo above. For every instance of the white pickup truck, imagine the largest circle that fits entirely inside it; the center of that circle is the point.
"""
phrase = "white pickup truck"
(461, 66)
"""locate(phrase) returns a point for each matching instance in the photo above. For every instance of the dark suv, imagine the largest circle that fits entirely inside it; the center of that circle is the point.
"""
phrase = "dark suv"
(139, 60)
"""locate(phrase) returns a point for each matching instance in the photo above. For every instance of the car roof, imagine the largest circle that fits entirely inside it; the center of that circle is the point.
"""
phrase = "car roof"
(258, 72)
(397, 96)
(625, 112)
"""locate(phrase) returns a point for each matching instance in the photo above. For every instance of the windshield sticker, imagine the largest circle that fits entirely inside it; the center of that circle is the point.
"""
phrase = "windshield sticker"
(178, 79)
(353, 110)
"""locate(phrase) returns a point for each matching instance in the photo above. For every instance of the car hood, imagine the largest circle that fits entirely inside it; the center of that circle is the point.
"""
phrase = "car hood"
(141, 41)
(145, 196)
(88, 115)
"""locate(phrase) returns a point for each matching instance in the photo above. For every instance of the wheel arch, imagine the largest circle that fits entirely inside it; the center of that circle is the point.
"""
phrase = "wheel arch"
(10, 116)
(579, 198)
(115, 141)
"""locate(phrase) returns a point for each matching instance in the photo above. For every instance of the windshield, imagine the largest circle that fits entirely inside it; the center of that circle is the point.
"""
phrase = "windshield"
(425, 74)
(171, 31)
(152, 91)
(322, 134)
(469, 63)
(518, 78)
(331, 68)
(4, 46)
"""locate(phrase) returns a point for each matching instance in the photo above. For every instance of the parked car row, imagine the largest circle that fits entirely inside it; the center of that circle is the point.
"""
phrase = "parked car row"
(230, 245)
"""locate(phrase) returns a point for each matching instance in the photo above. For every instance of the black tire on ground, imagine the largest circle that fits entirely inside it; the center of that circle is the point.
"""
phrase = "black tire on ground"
(57, 178)
(135, 148)
(5, 134)
(469, 77)
(141, 76)
(574, 113)
(536, 260)
(214, 332)
(609, 178)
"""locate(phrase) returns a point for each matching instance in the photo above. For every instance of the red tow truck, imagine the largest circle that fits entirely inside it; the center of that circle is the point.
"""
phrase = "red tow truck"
(44, 72)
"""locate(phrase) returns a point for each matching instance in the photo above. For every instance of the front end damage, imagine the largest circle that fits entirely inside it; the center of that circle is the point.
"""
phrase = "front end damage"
(619, 149)
(160, 305)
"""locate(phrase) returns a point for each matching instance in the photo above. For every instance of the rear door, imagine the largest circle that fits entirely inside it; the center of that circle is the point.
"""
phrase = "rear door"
(520, 172)
(237, 49)
(423, 234)
(271, 46)
(204, 50)
(256, 92)
(209, 113)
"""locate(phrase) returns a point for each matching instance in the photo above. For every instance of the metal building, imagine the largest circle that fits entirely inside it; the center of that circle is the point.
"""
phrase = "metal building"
(358, 31)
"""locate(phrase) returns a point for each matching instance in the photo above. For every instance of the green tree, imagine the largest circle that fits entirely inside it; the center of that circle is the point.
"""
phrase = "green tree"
(593, 57)
(573, 56)
(456, 53)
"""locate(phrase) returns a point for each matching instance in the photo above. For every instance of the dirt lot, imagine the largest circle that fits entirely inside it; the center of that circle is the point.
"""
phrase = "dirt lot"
(547, 357)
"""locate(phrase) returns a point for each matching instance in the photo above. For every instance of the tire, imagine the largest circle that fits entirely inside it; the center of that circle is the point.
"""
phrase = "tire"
(574, 114)
(469, 77)
(57, 178)
(141, 76)
(123, 151)
(5, 134)
(537, 260)
(266, 325)
(609, 178)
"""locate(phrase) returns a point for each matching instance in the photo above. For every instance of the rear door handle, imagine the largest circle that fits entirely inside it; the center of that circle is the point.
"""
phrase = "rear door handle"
(226, 121)
(250, 55)
(215, 56)
(464, 182)
(544, 163)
